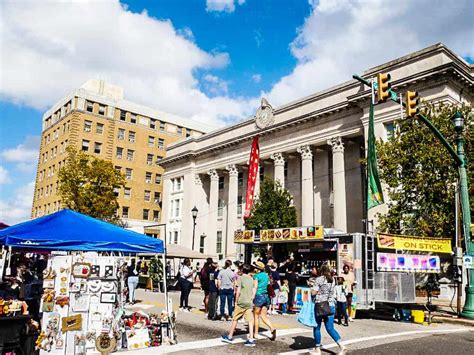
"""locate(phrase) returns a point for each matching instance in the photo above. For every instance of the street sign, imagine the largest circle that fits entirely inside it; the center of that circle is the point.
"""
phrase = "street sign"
(468, 261)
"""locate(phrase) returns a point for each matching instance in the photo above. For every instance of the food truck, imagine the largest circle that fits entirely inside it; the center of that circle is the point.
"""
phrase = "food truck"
(314, 245)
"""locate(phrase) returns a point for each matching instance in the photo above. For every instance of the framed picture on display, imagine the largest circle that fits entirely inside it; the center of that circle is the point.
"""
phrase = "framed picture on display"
(108, 297)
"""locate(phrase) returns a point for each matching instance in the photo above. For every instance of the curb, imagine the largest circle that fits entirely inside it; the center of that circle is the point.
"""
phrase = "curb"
(453, 320)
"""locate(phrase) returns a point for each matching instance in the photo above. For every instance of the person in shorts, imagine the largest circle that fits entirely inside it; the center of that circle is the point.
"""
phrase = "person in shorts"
(262, 300)
(245, 289)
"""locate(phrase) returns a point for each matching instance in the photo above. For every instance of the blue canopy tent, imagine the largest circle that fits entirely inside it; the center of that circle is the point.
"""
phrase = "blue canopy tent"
(73, 231)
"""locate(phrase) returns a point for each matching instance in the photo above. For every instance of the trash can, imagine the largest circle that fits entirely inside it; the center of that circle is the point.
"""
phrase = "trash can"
(418, 316)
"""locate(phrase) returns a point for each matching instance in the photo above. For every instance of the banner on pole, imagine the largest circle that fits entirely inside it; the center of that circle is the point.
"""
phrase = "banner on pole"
(252, 176)
(400, 242)
(374, 188)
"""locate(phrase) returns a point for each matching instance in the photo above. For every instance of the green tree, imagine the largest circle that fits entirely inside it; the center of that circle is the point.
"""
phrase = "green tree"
(272, 209)
(86, 185)
(419, 173)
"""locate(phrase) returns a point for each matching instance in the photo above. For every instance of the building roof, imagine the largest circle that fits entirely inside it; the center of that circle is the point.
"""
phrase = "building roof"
(113, 95)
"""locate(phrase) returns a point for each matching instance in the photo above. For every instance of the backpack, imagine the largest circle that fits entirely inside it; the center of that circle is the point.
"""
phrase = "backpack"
(204, 273)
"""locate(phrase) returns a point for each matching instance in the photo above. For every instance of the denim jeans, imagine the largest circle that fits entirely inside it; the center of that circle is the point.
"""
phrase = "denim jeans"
(341, 311)
(186, 287)
(132, 286)
(329, 324)
(227, 294)
(284, 308)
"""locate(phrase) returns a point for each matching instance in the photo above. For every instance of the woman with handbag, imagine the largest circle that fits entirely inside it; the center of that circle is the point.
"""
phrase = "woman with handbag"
(324, 307)
(262, 299)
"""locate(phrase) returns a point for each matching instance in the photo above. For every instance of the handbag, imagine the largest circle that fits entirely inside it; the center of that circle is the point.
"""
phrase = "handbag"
(306, 315)
(322, 308)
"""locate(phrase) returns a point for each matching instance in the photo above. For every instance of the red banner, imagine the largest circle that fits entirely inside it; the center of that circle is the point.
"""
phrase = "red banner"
(252, 176)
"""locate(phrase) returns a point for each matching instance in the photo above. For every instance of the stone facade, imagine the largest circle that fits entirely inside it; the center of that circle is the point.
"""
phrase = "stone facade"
(313, 147)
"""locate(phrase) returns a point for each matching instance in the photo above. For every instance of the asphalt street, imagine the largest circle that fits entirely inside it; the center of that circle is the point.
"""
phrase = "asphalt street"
(197, 334)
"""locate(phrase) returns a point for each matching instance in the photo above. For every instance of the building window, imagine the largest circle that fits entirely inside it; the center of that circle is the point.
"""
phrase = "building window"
(179, 130)
(151, 141)
(219, 242)
(201, 243)
(161, 143)
(121, 134)
(102, 110)
(176, 184)
(162, 126)
(188, 133)
(85, 145)
(89, 106)
(97, 147)
(147, 195)
(127, 193)
(130, 154)
(133, 118)
(173, 237)
(145, 214)
(262, 173)
(221, 182)
(220, 208)
(87, 126)
(285, 170)
(176, 208)
(156, 215)
(131, 137)
(152, 123)
(240, 179)
(124, 212)
(118, 169)
(119, 153)
(116, 191)
(149, 159)
(158, 179)
(158, 159)
(239, 205)
(148, 177)
(128, 173)
(99, 128)
(157, 197)
(389, 130)
(123, 115)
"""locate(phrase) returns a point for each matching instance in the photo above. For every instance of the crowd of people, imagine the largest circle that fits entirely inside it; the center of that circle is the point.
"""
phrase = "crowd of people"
(256, 291)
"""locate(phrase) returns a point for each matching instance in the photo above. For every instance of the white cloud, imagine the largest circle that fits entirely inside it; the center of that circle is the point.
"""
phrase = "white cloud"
(18, 207)
(4, 176)
(223, 5)
(216, 85)
(25, 152)
(344, 37)
(257, 78)
(155, 62)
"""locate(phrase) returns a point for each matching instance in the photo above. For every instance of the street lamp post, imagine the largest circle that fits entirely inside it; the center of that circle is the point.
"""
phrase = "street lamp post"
(458, 121)
(194, 213)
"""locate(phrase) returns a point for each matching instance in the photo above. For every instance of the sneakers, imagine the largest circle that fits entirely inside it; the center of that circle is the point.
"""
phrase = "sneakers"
(274, 335)
(342, 349)
(315, 351)
(250, 343)
(226, 339)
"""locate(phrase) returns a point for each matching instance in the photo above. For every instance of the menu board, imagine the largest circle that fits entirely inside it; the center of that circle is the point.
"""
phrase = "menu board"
(408, 262)
(247, 236)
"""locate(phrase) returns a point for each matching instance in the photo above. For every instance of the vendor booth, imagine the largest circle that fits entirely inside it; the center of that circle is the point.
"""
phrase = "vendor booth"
(82, 303)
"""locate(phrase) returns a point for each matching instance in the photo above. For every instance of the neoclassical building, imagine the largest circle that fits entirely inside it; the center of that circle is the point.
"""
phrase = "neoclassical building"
(313, 146)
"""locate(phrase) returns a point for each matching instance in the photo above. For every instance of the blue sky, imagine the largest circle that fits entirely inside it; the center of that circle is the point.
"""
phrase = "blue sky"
(207, 60)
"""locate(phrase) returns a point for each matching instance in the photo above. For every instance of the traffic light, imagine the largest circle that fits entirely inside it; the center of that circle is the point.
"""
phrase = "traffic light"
(457, 273)
(411, 102)
(383, 86)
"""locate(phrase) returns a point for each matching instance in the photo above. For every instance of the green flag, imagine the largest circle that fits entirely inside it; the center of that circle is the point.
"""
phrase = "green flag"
(374, 189)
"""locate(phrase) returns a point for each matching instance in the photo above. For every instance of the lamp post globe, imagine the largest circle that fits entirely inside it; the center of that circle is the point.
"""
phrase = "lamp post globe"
(194, 213)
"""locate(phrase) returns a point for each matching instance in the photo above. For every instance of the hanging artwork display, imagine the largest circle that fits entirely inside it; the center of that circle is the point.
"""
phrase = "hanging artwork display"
(408, 262)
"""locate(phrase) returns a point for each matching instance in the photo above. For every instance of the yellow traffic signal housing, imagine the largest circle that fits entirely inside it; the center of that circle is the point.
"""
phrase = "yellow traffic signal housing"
(383, 86)
(411, 102)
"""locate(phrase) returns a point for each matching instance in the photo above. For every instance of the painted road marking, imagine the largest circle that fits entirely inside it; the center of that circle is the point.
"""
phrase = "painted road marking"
(208, 343)
(382, 336)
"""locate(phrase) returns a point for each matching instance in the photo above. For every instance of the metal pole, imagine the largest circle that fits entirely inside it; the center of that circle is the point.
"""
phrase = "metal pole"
(194, 231)
(457, 247)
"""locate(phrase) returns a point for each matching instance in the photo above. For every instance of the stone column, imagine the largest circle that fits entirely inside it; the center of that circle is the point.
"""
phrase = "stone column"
(200, 203)
(257, 185)
(307, 197)
(212, 216)
(279, 168)
(231, 209)
(339, 183)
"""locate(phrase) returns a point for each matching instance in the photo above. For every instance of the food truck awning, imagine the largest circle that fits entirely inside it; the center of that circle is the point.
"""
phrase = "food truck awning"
(73, 231)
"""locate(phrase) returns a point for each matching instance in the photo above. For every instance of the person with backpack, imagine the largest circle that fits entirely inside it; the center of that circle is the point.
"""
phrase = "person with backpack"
(213, 292)
(204, 279)
(324, 308)
(225, 282)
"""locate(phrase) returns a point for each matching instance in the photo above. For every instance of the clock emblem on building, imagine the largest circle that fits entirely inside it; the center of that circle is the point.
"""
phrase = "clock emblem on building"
(264, 117)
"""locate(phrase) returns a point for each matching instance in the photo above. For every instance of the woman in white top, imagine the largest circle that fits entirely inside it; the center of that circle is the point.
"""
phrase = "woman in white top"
(186, 284)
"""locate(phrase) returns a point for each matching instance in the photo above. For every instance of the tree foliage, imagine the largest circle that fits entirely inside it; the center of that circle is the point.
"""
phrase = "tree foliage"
(156, 269)
(272, 209)
(86, 185)
(419, 173)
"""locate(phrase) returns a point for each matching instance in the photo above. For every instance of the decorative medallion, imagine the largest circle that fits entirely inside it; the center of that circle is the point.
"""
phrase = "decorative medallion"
(264, 117)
